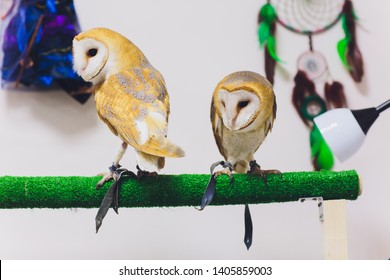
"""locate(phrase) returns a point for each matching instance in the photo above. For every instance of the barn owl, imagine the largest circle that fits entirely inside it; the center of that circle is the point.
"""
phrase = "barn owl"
(243, 110)
(131, 96)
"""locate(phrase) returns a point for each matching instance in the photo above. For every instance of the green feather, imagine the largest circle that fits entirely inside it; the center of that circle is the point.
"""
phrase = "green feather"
(342, 45)
(320, 151)
(268, 17)
(342, 48)
(325, 158)
(268, 13)
(344, 25)
(271, 47)
(263, 32)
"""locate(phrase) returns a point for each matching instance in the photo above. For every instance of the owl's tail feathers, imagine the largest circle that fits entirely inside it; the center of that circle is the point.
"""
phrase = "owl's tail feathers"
(154, 158)
(162, 147)
(171, 150)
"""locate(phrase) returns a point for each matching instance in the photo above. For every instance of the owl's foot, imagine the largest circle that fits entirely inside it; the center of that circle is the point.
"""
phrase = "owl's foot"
(226, 171)
(210, 189)
(112, 196)
(143, 173)
(107, 176)
(255, 169)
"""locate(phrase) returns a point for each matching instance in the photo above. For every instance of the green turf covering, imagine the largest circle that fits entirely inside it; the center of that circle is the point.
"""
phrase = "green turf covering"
(176, 190)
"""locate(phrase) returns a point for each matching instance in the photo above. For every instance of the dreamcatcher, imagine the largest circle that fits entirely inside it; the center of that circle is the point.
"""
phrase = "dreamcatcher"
(309, 18)
(37, 46)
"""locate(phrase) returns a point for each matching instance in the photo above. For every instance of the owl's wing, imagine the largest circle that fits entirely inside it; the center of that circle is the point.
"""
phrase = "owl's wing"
(217, 124)
(270, 122)
(135, 106)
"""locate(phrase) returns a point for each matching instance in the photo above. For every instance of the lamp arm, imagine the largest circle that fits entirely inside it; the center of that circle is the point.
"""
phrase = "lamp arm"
(383, 106)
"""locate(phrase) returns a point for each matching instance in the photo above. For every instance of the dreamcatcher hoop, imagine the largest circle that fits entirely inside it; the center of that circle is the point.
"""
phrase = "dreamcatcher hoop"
(308, 17)
(314, 64)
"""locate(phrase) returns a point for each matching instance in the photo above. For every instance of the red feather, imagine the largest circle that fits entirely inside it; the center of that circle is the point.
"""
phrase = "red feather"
(354, 56)
(303, 87)
(335, 96)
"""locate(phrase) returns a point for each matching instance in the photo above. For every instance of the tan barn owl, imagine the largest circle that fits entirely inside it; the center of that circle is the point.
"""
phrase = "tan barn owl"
(243, 110)
(131, 96)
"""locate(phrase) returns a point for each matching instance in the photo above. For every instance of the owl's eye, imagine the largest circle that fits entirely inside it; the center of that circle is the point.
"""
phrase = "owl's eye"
(92, 52)
(243, 104)
(223, 104)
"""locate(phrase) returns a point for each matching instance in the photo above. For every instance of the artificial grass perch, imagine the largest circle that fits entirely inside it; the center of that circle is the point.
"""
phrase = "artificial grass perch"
(176, 190)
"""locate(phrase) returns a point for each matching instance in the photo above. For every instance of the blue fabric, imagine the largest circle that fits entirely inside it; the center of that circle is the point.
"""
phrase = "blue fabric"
(49, 62)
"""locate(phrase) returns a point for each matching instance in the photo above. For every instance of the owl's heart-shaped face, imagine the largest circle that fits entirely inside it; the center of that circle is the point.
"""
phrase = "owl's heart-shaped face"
(90, 59)
(238, 109)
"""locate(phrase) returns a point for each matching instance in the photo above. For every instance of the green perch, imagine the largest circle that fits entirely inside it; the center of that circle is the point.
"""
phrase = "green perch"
(176, 190)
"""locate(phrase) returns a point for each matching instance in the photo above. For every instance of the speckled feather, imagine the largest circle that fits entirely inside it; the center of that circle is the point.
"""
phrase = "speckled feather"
(125, 101)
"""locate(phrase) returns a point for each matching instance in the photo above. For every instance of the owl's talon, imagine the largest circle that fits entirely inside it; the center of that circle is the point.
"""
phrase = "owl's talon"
(227, 165)
(107, 176)
(226, 171)
(256, 170)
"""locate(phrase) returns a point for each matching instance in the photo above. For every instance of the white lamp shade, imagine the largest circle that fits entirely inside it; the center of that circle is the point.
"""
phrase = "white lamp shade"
(341, 132)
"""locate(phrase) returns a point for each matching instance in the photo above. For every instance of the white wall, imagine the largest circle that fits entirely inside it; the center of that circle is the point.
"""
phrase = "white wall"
(194, 44)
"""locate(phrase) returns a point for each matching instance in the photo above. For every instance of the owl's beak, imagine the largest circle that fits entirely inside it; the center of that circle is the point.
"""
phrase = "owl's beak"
(232, 115)
(233, 122)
